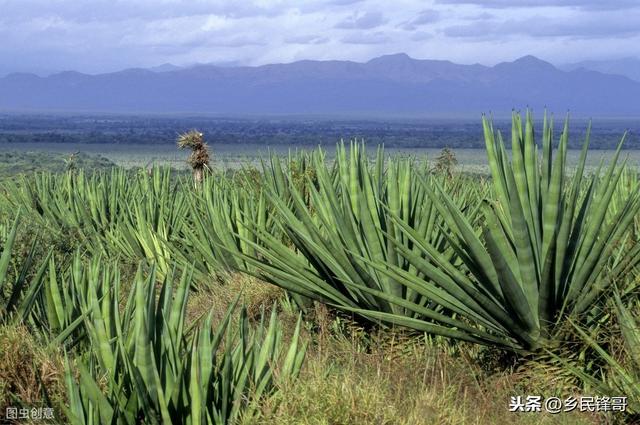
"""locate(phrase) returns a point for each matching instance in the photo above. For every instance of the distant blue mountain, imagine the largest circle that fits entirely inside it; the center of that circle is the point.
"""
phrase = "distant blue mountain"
(629, 67)
(393, 85)
(165, 67)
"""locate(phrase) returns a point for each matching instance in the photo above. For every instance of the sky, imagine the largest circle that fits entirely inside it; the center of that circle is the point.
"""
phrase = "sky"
(95, 36)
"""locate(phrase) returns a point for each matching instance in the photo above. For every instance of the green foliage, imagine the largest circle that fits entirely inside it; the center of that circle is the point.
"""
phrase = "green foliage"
(622, 376)
(19, 285)
(345, 240)
(220, 232)
(504, 263)
(158, 216)
(545, 244)
(409, 250)
(16, 162)
(147, 362)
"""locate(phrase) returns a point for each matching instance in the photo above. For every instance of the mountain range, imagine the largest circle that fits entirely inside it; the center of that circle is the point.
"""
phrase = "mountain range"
(392, 85)
(629, 67)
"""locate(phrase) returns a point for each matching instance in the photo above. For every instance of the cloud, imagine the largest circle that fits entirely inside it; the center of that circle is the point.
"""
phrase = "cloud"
(587, 27)
(421, 36)
(581, 4)
(363, 21)
(306, 39)
(359, 38)
(108, 10)
(344, 2)
(424, 17)
(106, 35)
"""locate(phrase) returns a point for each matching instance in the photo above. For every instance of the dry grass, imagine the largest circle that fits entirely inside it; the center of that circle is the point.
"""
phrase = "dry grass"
(256, 296)
(402, 380)
(26, 368)
(350, 376)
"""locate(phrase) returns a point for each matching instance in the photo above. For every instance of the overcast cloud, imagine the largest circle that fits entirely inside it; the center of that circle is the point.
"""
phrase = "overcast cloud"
(106, 35)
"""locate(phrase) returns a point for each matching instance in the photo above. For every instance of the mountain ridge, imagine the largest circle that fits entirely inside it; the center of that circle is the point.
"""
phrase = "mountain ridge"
(390, 84)
(628, 67)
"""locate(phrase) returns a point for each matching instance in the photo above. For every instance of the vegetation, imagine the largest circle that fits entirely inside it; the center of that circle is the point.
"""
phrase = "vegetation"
(364, 289)
(199, 158)
(621, 375)
(15, 162)
(155, 366)
(65, 129)
(405, 249)
(445, 162)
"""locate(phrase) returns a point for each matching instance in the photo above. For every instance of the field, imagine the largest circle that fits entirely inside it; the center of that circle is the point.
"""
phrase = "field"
(140, 283)
(226, 156)
(141, 141)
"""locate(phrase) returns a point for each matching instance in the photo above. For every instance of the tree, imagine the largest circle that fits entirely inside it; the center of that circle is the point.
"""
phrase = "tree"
(71, 163)
(445, 162)
(199, 158)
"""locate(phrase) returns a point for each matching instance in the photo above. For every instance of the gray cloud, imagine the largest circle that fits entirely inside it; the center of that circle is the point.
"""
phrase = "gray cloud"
(106, 35)
(363, 21)
(544, 27)
(306, 39)
(582, 4)
(358, 38)
(344, 2)
(421, 36)
(424, 17)
(108, 10)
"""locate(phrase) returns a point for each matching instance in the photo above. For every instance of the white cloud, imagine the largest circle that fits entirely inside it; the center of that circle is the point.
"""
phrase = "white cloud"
(578, 4)
(363, 21)
(367, 38)
(106, 35)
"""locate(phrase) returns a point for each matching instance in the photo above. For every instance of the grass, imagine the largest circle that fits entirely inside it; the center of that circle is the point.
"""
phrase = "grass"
(358, 369)
(255, 295)
(14, 162)
(233, 156)
(351, 375)
(406, 381)
(31, 373)
(355, 376)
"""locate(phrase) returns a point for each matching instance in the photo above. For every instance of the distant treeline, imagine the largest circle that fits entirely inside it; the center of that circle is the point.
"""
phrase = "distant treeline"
(16, 162)
(430, 133)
